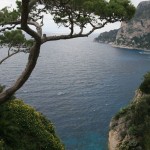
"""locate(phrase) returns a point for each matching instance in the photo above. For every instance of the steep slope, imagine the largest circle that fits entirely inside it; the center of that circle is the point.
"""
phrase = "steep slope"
(23, 128)
(107, 37)
(132, 34)
(129, 129)
(136, 32)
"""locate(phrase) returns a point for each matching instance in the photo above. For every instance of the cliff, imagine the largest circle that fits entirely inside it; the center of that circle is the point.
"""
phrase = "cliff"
(134, 33)
(129, 129)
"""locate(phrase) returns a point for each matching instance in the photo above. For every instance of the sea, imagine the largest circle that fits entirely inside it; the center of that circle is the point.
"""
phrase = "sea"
(79, 85)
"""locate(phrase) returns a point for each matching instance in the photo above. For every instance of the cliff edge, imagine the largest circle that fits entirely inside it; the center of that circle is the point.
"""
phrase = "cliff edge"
(130, 128)
(136, 32)
(23, 128)
(133, 34)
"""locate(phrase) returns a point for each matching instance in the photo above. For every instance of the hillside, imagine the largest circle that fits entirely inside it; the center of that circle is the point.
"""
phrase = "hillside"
(107, 37)
(129, 129)
(23, 128)
(134, 33)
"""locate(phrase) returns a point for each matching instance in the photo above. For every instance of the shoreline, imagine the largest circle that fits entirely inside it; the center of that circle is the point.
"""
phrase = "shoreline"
(126, 47)
(123, 46)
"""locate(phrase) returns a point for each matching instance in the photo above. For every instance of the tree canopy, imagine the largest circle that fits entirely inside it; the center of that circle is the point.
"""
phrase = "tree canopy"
(67, 13)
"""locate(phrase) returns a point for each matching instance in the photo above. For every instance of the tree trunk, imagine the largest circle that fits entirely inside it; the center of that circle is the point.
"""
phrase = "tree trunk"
(32, 60)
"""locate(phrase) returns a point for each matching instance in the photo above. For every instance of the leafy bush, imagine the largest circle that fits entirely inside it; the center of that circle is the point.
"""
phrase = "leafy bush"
(137, 125)
(23, 128)
(136, 130)
(121, 113)
(145, 85)
(1, 145)
(130, 145)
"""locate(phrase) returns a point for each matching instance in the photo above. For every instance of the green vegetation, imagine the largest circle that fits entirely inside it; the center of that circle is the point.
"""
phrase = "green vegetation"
(137, 123)
(23, 128)
(107, 37)
(142, 41)
(133, 33)
(15, 38)
(145, 85)
(67, 13)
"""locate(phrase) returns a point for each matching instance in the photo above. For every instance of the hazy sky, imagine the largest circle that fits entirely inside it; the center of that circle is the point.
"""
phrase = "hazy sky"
(54, 29)
(12, 2)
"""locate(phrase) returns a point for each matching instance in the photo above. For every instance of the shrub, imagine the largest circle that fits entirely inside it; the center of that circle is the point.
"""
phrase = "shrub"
(121, 113)
(1, 145)
(132, 130)
(145, 85)
(137, 117)
(23, 128)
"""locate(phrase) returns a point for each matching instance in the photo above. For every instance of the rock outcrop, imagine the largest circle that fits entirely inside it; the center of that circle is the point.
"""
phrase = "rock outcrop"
(134, 34)
(119, 136)
(107, 37)
(130, 127)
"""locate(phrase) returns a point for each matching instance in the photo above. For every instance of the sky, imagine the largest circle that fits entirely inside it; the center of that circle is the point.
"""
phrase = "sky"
(53, 28)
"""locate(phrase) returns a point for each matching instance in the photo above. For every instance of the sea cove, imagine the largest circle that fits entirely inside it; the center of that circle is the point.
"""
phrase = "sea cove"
(79, 85)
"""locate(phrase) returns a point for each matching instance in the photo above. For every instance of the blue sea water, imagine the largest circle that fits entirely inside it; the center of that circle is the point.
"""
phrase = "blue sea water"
(79, 85)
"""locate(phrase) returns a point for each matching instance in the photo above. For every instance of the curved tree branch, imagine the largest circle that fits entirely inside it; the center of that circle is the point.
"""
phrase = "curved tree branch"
(12, 54)
(68, 36)
(32, 59)
(78, 16)
(15, 23)
(8, 57)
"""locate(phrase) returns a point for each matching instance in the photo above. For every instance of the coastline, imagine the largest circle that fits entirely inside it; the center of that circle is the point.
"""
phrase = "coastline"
(127, 47)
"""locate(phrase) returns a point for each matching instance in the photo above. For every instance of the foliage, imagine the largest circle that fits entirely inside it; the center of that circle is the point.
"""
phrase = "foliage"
(142, 41)
(23, 128)
(15, 38)
(16, 42)
(101, 8)
(130, 145)
(7, 16)
(68, 13)
(1, 145)
(146, 139)
(121, 113)
(107, 37)
(136, 125)
(145, 85)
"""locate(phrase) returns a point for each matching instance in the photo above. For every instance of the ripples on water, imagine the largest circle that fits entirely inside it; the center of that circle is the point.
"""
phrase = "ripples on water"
(80, 85)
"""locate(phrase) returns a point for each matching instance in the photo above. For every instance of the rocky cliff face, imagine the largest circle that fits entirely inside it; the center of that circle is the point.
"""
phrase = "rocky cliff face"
(119, 136)
(132, 34)
(136, 32)
(129, 129)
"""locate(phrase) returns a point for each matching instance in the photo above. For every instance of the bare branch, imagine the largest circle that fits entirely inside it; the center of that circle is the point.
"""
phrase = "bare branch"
(68, 36)
(38, 27)
(9, 55)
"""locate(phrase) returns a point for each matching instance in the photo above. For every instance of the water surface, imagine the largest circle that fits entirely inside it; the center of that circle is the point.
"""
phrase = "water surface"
(79, 85)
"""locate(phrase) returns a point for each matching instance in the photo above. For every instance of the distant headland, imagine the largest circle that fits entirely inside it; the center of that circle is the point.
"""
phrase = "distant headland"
(134, 34)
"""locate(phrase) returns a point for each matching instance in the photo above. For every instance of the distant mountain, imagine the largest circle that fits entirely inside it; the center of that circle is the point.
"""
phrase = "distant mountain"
(134, 33)
(107, 37)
